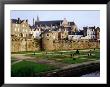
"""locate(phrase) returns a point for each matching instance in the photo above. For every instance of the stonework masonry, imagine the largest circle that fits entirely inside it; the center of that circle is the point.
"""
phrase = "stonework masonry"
(23, 44)
(73, 45)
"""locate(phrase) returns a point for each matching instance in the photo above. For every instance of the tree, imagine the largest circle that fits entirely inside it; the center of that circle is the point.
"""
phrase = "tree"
(77, 51)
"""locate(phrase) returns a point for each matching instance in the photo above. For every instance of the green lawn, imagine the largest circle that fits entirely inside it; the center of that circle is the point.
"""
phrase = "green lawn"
(74, 61)
(27, 68)
(59, 54)
(65, 57)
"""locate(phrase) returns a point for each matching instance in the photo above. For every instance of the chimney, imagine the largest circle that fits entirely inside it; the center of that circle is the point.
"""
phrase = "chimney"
(94, 27)
(27, 20)
(18, 20)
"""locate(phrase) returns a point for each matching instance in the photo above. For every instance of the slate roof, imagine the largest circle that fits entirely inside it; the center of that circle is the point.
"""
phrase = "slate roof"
(16, 21)
(72, 23)
(92, 27)
(76, 33)
(32, 27)
(49, 23)
(80, 32)
(89, 27)
(85, 28)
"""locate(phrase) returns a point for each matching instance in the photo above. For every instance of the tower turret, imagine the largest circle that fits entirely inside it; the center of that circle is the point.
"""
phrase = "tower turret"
(47, 40)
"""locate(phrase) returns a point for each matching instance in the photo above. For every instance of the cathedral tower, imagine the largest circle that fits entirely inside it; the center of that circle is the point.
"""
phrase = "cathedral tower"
(38, 19)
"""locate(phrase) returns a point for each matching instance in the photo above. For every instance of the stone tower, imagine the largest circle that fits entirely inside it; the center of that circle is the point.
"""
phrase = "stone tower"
(65, 23)
(47, 41)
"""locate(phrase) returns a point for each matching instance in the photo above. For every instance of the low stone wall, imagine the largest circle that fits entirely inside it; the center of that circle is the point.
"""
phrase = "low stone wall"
(74, 71)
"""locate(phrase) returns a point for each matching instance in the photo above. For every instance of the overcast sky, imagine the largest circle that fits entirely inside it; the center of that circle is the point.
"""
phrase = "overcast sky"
(81, 18)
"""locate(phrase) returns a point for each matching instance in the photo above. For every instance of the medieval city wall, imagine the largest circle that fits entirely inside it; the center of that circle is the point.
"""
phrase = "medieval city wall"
(24, 45)
(71, 45)
(33, 45)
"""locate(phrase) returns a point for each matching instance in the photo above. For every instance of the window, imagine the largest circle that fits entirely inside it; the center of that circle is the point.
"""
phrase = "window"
(23, 30)
(47, 34)
(18, 29)
(23, 35)
(15, 29)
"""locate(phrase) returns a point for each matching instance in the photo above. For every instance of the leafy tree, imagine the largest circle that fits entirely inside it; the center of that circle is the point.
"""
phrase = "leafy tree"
(77, 51)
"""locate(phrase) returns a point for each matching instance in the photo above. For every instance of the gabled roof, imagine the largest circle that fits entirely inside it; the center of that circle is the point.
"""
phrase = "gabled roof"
(32, 27)
(76, 33)
(72, 23)
(16, 21)
(97, 28)
(80, 33)
(46, 31)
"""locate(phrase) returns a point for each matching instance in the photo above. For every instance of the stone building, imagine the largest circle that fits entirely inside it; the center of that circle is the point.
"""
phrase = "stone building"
(85, 31)
(63, 35)
(20, 28)
(75, 35)
(98, 33)
(89, 33)
(36, 33)
(61, 26)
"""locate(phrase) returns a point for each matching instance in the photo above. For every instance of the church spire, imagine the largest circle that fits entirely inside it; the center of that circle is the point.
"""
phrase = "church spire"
(38, 19)
(33, 21)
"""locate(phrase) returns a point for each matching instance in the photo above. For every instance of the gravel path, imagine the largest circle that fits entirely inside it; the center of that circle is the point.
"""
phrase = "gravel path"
(16, 62)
